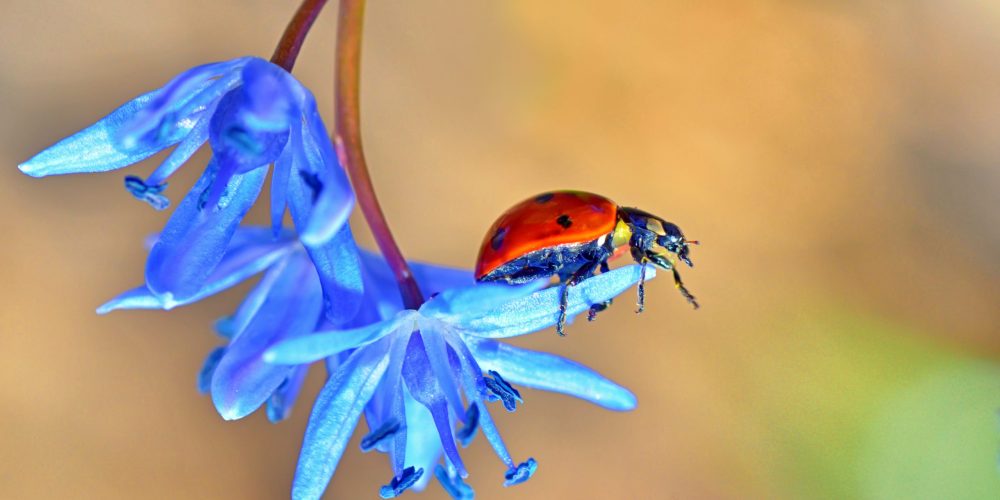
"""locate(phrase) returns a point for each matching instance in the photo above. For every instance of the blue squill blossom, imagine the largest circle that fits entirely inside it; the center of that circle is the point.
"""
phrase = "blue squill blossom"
(285, 303)
(252, 113)
(417, 374)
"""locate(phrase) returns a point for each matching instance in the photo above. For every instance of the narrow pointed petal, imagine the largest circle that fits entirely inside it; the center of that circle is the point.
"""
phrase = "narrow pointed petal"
(184, 150)
(425, 387)
(436, 279)
(433, 279)
(279, 405)
(423, 446)
(381, 292)
(195, 238)
(437, 354)
(334, 416)
(492, 435)
(279, 184)
(334, 201)
(243, 380)
(472, 376)
(254, 300)
(239, 263)
(460, 304)
(548, 372)
(93, 149)
(208, 369)
(189, 92)
(336, 259)
(136, 298)
(453, 484)
(314, 347)
(541, 309)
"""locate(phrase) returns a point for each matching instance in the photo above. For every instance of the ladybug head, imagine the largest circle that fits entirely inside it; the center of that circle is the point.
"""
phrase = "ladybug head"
(653, 239)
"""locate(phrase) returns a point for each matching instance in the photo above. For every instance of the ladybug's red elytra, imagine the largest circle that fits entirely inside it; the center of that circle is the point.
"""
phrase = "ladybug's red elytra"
(572, 235)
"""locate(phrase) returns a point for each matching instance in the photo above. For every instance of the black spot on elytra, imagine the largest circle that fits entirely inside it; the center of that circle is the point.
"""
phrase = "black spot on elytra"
(564, 221)
(544, 198)
(497, 241)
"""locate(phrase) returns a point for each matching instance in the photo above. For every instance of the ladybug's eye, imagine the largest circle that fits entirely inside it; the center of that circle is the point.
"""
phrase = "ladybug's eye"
(671, 242)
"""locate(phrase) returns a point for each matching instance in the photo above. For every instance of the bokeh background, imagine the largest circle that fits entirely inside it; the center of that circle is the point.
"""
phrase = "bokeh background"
(839, 161)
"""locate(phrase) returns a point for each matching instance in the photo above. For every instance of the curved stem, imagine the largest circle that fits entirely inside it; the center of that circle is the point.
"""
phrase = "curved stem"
(288, 47)
(348, 141)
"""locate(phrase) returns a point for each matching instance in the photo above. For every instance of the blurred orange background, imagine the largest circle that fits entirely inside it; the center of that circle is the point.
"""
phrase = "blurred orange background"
(838, 160)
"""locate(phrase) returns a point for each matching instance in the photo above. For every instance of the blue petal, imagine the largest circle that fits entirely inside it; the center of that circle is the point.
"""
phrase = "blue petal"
(541, 309)
(333, 204)
(195, 238)
(336, 259)
(187, 94)
(453, 484)
(309, 348)
(279, 405)
(225, 327)
(93, 149)
(243, 381)
(334, 416)
(242, 260)
(256, 298)
(425, 387)
(208, 369)
(184, 150)
(549, 372)
(268, 99)
(423, 446)
(433, 279)
(472, 381)
(136, 298)
(462, 304)
(279, 183)
(437, 354)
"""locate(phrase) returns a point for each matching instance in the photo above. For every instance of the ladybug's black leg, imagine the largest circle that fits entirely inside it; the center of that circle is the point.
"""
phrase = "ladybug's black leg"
(596, 308)
(581, 274)
(563, 300)
(642, 287)
(684, 291)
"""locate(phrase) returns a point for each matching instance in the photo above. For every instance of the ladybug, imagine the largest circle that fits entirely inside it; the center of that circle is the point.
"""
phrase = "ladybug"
(572, 235)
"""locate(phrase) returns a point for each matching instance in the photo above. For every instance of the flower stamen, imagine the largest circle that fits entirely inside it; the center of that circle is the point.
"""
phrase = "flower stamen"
(149, 193)
(503, 391)
(402, 483)
(385, 431)
(521, 473)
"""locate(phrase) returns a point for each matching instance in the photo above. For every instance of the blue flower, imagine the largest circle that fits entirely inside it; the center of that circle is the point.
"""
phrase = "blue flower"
(252, 113)
(417, 373)
(285, 303)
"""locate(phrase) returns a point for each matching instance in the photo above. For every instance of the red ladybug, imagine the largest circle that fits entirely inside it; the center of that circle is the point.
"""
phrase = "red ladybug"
(572, 234)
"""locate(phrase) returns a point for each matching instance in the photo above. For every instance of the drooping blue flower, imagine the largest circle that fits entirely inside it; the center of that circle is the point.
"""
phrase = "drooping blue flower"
(252, 113)
(285, 303)
(417, 374)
